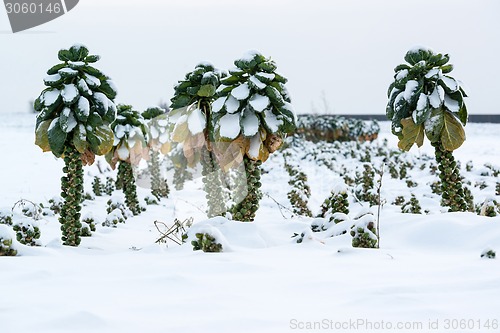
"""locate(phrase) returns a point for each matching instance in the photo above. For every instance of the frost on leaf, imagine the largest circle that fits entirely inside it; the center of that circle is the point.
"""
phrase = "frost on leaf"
(49, 97)
(229, 126)
(451, 104)
(259, 102)
(410, 88)
(196, 121)
(241, 92)
(232, 104)
(249, 123)
(437, 97)
(218, 104)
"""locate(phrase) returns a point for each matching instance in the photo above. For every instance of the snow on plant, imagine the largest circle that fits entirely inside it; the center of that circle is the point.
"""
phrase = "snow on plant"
(27, 231)
(117, 202)
(490, 208)
(6, 217)
(6, 242)
(336, 203)
(412, 206)
(425, 101)
(88, 224)
(251, 117)
(300, 193)
(206, 243)
(129, 148)
(363, 232)
(488, 254)
(97, 186)
(191, 118)
(158, 141)
(113, 218)
(75, 113)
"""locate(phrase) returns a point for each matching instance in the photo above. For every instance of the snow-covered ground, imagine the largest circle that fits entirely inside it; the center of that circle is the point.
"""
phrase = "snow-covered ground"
(428, 273)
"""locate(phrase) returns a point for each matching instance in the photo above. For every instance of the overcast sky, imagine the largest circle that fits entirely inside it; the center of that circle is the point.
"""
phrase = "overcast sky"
(339, 51)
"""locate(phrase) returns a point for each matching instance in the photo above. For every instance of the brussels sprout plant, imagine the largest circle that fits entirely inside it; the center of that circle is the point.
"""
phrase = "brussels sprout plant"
(129, 148)
(192, 115)
(75, 113)
(250, 120)
(424, 100)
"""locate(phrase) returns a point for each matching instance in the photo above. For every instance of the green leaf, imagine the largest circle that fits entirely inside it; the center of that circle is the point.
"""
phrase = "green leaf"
(82, 109)
(447, 68)
(57, 138)
(230, 80)
(79, 52)
(275, 96)
(94, 120)
(64, 55)
(107, 89)
(80, 139)
(463, 115)
(207, 90)
(434, 125)
(93, 71)
(100, 140)
(92, 58)
(453, 134)
(41, 135)
(401, 67)
(55, 69)
(267, 66)
(412, 134)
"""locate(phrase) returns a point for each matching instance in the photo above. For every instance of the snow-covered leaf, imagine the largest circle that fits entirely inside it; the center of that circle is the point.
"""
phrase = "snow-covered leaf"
(80, 139)
(448, 83)
(434, 125)
(69, 94)
(67, 120)
(57, 137)
(218, 104)
(249, 123)
(436, 99)
(50, 97)
(232, 105)
(196, 121)
(229, 126)
(259, 102)
(241, 92)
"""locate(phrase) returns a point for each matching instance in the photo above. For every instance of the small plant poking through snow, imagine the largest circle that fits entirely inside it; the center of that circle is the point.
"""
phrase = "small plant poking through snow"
(113, 218)
(6, 242)
(363, 232)
(6, 217)
(27, 231)
(300, 193)
(97, 186)
(88, 224)
(412, 206)
(336, 203)
(489, 208)
(488, 254)
(206, 243)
